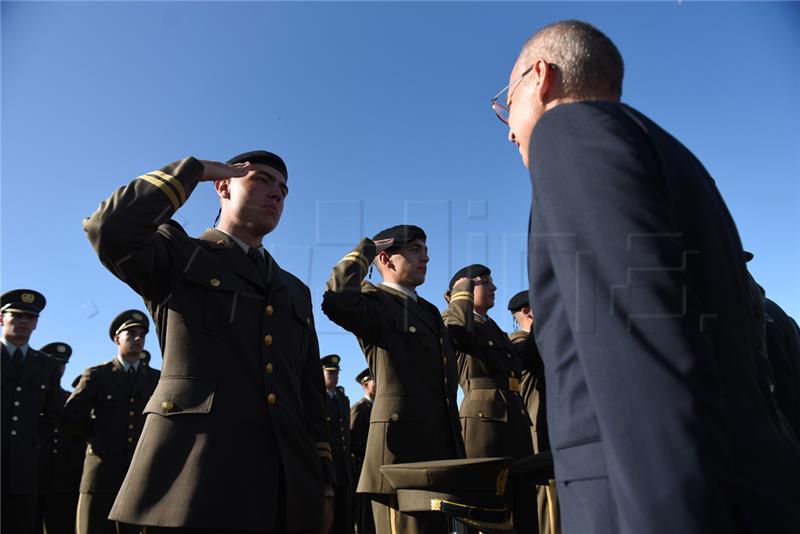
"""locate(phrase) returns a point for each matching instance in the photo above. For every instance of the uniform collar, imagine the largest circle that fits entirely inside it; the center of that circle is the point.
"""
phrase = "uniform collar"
(402, 289)
(10, 347)
(125, 365)
(245, 247)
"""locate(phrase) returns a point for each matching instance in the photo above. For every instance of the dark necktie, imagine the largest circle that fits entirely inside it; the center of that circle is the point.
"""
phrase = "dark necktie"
(16, 359)
(132, 374)
(257, 257)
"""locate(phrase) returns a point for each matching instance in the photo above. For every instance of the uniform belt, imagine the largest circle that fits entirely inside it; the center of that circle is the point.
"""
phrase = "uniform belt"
(491, 383)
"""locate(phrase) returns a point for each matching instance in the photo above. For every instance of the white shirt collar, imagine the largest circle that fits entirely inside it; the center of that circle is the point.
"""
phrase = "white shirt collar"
(10, 347)
(401, 289)
(126, 365)
(245, 247)
(484, 318)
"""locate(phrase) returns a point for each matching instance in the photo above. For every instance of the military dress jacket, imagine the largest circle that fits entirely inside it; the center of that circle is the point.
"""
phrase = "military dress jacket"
(61, 456)
(533, 390)
(493, 415)
(106, 409)
(237, 422)
(408, 350)
(29, 397)
(338, 419)
(359, 430)
(646, 335)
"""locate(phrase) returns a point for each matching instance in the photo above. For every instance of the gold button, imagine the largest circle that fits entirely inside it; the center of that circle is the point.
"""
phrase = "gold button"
(480, 414)
(55, 440)
(491, 343)
(131, 399)
(445, 380)
(412, 328)
(19, 388)
(508, 354)
(522, 412)
(14, 418)
(13, 432)
(308, 321)
(269, 310)
(166, 406)
(130, 427)
(43, 386)
(214, 282)
(268, 340)
(328, 418)
(269, 368)
(131, 414)
(444, 360)
(512, 374)
(55, 430)
(395, 416)
(55, 451)
(108, 397)
(130, 440)
(16, 403)
(271, 399)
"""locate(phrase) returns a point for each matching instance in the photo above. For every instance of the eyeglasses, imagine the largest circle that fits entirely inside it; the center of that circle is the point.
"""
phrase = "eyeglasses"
(501, 110)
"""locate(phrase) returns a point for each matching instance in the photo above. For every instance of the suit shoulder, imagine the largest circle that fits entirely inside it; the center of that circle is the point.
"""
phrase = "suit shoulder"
(99, 368)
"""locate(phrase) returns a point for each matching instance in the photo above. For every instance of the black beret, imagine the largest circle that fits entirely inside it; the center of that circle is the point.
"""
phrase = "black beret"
(470, 271)
(330, 362)
(402, 234)
(58, 350)
(363, 376)
(518, 301)
(128, 319)
(25, 301)
(262, 156)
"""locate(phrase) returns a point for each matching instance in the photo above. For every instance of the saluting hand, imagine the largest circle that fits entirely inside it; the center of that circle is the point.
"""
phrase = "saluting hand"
(214, 170)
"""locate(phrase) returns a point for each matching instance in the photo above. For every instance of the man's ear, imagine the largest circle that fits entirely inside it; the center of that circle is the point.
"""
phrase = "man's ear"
(384, 260)
(544, 78)
(116, 339)
(221, 186)
(447, 296)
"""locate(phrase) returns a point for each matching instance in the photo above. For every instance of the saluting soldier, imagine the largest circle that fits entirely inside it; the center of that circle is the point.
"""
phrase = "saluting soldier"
(61, 462)
(407, 346)
(106, 409)
(235, 435)
(29, 396)
(493, 415)
(533, 394)
(359, 430)
(338, 418)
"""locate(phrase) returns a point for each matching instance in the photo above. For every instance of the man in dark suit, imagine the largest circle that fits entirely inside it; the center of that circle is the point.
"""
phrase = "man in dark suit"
(359, 430)
(29, 398)
(235, 435)
(338, 418)
(643, 320)
(61, 463)
(106, 410)
(407, 346)
(494, 419)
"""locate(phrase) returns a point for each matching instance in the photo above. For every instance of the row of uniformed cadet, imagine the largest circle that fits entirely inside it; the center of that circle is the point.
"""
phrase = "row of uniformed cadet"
(74, 449)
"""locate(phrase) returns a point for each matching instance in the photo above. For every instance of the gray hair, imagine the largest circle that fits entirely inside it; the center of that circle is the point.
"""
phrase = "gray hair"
(590, 66)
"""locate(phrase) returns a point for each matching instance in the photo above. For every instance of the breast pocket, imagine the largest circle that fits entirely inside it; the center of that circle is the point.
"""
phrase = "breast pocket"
(181, 395)
(217, 298)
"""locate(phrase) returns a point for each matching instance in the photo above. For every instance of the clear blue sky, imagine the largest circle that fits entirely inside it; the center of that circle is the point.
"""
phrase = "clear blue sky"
(381, 111)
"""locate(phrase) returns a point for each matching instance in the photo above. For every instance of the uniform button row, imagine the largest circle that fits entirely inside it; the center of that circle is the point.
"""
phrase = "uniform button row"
(14, 418)
(16, 403)
(271, 399)
(13, 432)
(55, 451)
(130, 440)
(268, 340)
(269, 310)
(269, 368)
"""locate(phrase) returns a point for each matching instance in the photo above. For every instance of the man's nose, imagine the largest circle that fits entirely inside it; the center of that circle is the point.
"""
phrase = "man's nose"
(511, 137)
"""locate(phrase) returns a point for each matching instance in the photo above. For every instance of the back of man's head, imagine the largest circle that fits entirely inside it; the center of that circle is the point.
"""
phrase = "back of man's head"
(589, 64)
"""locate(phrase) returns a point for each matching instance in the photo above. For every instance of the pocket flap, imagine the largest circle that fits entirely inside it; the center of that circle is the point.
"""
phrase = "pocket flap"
(485, 410)
(394, 409)
(181, 395)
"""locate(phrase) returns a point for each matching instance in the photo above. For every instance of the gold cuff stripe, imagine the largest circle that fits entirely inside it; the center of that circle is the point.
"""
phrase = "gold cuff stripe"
(462, 294)
(325, 454)
(165, 188)
(175, 183)
(322, 445)
(171, 184)
(461, 297)
(358, 258)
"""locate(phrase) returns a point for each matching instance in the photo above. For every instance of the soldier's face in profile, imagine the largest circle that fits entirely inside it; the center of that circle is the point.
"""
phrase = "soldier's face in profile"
(410, 264)
(331, 378)
(369, 388)
(18, 325)
(255, 201)
(484, 293)
(131, 341)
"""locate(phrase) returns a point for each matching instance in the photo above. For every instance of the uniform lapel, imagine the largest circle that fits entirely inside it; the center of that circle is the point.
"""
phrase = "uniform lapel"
(8, 365)
(232, 256)
(118, 372)
(29, 366)
(416, 308)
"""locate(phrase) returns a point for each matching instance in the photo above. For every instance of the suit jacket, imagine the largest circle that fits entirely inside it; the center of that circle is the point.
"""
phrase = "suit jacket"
(493, 415)
(106, 410)
(61, 456)
(240, 403)
(409, 353)
(28, 398)
(338, 419)
(359, 430)
(783, 350)
(533, 391)
(646, 333)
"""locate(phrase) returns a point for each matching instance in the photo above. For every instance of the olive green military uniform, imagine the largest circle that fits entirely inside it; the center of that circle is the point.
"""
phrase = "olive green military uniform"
(235, 435)
(338, 417)
(106, 409)
(408, 350)
(493, 415)
(359, 430)
(30, 397)
(533, 393)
